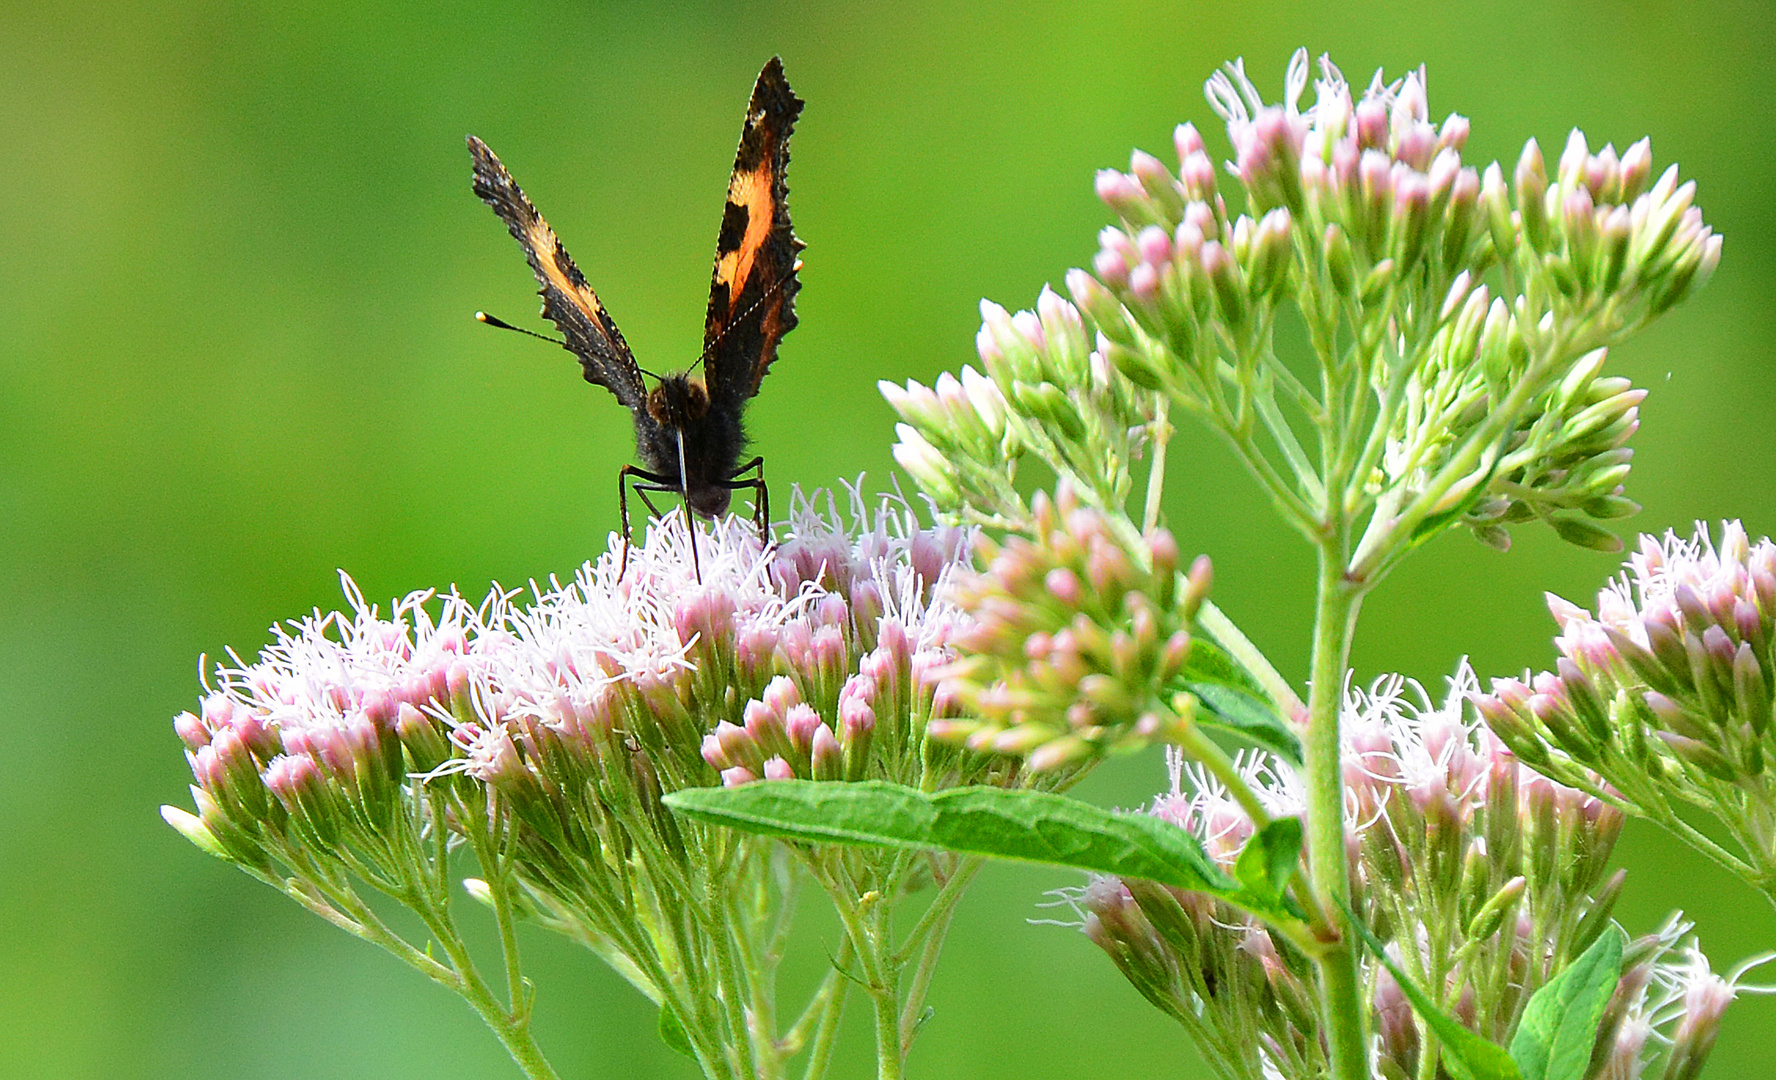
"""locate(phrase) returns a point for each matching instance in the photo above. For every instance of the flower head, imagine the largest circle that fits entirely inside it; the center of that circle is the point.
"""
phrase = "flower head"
(1076, 644)
(816, 658)
(1479, 313)
(1481, 882)
(1666, 691)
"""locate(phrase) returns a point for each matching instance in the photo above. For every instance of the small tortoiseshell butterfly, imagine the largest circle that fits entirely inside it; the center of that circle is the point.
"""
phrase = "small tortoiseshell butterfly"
(688, 434)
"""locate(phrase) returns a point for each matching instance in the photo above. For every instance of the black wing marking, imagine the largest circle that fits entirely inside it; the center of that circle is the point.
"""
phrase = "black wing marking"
(568, 301)
(753, 288)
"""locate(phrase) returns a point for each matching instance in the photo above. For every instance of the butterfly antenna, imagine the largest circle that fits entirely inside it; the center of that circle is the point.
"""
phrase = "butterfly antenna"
(501, 324)
(744, 315)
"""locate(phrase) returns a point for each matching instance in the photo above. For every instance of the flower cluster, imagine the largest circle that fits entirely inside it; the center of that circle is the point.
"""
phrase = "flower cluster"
(1048, 390)
(1077, 645)
(1483, 880)
(1466, 316)
(315, 740)
(1666, 691)
(544, 734)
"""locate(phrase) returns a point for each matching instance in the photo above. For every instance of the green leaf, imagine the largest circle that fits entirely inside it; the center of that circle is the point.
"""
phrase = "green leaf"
(1234, 700)
(1209, 662)
(1025, 826)
(1269, 858)
(1468, 1056)
(1245, 717)
(1558, 1031)
(672, 1033)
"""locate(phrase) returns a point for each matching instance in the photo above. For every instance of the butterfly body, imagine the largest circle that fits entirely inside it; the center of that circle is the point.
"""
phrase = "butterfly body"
(688, 431)
(682, 435)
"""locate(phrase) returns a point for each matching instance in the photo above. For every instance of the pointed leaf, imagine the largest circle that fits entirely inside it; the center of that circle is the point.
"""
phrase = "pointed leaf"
(1027, 826)
(672, 1033)
(1030, 826)
(1209, 662)
(1468, 1056)
(1269, 858)
(1559, 1027)
(1245, 717)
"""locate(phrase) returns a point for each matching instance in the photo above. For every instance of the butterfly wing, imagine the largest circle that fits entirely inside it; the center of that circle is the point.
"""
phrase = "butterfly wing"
(568, 301)
(752, 294)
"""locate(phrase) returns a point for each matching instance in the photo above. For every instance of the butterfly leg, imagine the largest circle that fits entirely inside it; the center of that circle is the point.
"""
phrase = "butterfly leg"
(649, 482)
(761, 501)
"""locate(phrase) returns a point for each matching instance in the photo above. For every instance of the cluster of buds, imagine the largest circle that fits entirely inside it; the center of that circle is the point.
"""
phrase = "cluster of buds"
(799, 743)
(1483, 880)
(1049, 389)
(545, 733)
(1666, 692)
(1077, 645)
(1566, 463)
(1476, 314)
(310, 748)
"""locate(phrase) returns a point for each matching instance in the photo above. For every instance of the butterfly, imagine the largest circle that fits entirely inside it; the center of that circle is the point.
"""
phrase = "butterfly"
(688, 431)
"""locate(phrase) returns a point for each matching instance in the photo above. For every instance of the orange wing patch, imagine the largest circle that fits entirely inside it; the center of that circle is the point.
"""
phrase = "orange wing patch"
(752, 290)
(752, 192)
(568, 301)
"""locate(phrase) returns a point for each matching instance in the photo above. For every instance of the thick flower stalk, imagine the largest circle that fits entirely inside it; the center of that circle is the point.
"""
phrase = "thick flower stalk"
(359, 749)
(1666, 693)
(1484, 880)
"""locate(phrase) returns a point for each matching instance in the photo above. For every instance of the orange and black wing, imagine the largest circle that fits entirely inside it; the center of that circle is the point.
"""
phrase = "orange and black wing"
(568, 301)
(752, 296)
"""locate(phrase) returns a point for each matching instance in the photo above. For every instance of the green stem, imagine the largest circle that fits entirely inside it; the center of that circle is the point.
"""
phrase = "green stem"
(942, 906)
(511, 1027)
(1688, 833)
(1160, 438)
(1383, 540)
(1336, 605)
(499, 884)
(878, 975)
(742, 1048)
(823, 1011)
(1295, 510)
(1289, 446)
(1200, 748)
(934, 931)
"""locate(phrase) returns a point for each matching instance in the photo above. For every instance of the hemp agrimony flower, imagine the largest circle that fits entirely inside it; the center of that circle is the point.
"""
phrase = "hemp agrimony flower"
(360, 749)
(1076, 645)
(1456, 327)
(652, 762)
(1666, 693)
(1458, 324)
(1484, 881)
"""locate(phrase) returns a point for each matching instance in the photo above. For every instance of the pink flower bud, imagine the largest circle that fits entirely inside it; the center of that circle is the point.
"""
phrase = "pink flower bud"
(218, 710)
(1154, 245)
(1371, 127)
(827, 757)
(799, 725)
(1143, 283)
(1111, 267)
(714, 754)
(1196, 173)
(191, 731)
(737, 776)
(1187, 140)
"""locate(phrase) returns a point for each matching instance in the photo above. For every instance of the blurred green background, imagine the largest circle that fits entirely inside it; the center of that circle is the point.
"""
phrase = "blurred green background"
(238, 258)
